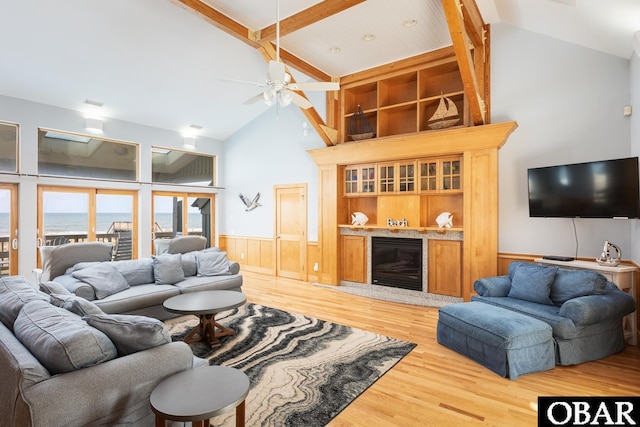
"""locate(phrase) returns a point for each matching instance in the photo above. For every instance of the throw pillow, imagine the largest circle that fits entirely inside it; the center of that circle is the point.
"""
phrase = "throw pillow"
(213, 264)
(15, 292)
(75, 304)
(137, 271)
(190, 263)
(569, 284)
(59, 339)
(130, 333)
(53, 288)
(104, 278)
(167, 269)
(532, 283)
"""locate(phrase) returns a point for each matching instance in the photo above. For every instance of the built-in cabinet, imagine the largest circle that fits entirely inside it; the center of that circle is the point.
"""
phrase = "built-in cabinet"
(474, 205)
(445, 267)
(402, 102)
(430, 185)
(354, 258)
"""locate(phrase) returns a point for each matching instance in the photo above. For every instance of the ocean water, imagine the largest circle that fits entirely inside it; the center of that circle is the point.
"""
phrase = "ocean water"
(76, 223)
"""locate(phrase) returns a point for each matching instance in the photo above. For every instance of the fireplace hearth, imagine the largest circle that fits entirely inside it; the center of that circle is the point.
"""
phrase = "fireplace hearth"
(396, 262)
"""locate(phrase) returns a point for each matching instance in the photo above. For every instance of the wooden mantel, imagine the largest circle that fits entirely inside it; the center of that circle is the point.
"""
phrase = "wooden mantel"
(479, 146)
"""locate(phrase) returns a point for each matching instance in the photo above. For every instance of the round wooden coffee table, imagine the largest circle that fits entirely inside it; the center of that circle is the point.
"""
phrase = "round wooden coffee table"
(199, 394)
(206, 304)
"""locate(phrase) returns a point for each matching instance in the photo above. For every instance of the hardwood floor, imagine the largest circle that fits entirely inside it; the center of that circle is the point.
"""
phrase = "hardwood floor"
(434, 386)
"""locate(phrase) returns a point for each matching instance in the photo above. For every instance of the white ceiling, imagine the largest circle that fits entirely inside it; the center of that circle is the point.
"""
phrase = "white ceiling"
(156, 63)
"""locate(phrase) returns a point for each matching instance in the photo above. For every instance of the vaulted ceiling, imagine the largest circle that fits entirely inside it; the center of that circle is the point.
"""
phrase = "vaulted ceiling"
(161, 62)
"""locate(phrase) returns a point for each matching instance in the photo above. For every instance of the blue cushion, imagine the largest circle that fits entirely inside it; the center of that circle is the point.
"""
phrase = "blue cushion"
(532, 282)
(569, 284)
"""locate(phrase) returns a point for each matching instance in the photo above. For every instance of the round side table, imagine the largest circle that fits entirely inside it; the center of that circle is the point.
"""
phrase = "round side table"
(199, 394)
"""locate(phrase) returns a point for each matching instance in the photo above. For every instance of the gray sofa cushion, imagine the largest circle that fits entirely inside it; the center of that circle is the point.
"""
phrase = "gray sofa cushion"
(74, 304)
(137, 271)
(130, 334)
(212, 264)
(569, 284)
(77, 286)
(190, 263)
(184, 244)
(51, 287)
(15, 291)
(59, 339)
(167, 269)
(532, 282)
(104, 278)
(56, 259)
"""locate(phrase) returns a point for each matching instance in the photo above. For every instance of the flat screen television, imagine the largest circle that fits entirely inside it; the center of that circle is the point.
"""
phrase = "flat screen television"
(601, 189)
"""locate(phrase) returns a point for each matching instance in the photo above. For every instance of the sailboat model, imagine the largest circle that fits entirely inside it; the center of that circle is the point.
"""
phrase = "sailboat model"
(446, 114)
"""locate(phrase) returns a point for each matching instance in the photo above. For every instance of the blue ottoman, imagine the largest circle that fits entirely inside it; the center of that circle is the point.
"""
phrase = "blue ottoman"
(508, 343)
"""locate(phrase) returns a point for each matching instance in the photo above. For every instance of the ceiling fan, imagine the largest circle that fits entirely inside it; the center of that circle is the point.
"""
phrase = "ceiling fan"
(278, 87)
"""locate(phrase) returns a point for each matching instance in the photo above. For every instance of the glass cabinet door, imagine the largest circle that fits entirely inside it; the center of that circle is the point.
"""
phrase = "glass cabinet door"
(451, 179)
(387, 178)
(351, 180)
(428, 179)
(407, 177)
(368, 179)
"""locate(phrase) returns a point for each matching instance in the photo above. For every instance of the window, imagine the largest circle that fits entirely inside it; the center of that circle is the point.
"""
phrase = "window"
(8, 147)
(71, 215)
(181, 167)
(84, 156)
(181, 214)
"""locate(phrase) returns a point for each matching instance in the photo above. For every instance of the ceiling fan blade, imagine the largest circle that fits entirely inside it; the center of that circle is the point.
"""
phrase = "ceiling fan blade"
(254, 99)
(326, 86)
(276, 71)
(300, 100)
(244, 82)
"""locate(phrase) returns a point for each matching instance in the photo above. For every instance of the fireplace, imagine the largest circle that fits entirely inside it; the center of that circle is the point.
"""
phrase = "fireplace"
(396, 262)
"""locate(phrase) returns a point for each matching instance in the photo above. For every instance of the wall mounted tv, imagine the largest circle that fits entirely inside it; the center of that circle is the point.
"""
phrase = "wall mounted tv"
(601, 189)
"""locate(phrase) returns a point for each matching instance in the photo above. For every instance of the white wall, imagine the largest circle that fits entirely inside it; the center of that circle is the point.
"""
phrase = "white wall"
(568, 102)
(270, 151)
(31, 116)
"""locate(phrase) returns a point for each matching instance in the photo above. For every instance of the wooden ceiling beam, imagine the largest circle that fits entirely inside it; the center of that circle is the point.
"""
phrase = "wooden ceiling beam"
(473, 22)
(220, 21)
(256, 39)
(328, 135)
(307, 17)
(459, 37)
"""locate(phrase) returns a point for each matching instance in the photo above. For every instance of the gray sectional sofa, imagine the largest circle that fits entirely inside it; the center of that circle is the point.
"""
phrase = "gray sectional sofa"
(136, 286)
(65, 362)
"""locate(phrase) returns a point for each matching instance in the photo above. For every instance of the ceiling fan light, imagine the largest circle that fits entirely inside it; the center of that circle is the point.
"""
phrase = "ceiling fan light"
(285, 98)
(269, 97)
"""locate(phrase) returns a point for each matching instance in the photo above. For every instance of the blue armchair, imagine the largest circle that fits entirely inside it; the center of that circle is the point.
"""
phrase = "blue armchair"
(583, 309)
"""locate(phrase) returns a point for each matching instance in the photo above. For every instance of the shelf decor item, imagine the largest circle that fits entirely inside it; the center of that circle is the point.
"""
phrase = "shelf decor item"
(358, 218)
(359, 127)
(446, 114)
(606, 258)
(445, 220)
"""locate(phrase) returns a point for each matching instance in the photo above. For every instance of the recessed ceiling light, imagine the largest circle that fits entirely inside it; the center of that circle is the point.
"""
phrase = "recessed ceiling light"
(409, 23)
(368, 37)
(334, 49)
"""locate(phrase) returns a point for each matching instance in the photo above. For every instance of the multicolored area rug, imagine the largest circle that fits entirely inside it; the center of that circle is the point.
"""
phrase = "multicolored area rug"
(303, 371)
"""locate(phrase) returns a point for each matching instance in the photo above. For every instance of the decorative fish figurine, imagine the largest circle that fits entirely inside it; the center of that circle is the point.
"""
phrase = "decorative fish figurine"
(358, 218)
(445, 220)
